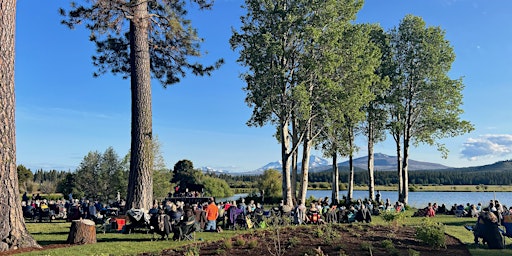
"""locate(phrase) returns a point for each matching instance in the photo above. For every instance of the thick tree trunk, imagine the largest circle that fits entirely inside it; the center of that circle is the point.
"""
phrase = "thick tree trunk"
(82, 232)
(13, 234)
(140, 183)
(335, 179)
(371, 175)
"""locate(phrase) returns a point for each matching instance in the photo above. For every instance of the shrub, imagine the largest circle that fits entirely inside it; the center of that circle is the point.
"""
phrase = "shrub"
(240, 241)
(431, 233)
(227, 244)
(252, 243)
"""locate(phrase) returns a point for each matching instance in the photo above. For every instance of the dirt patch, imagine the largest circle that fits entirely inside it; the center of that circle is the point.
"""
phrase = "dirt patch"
(329, 240)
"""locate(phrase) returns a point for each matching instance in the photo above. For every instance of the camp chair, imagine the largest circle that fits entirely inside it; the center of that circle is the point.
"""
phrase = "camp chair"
(507, 223)
(185, 230)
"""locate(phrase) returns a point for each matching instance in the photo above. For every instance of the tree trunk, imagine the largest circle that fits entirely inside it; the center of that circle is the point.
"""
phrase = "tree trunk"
(371, 175)
(140, 183)
(82, 232)
(350, 194)
(306, 151)
(295, 156)
(286, 159)
(335, 179)
(405, 173)
(13, 234)
(399, 170)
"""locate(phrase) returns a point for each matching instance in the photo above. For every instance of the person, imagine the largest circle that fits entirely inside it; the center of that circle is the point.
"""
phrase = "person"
(25, 197)
(212, 213)
(487, 228)
(378, 196)
(430, 210)
(363, 214)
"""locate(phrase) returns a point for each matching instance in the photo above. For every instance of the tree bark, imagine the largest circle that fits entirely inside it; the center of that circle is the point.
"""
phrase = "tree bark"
(306, 151)
(350, 194)
(405, 173)
(371, 174)
(13, 234)
(295, 156)
(286, 159)
(335, 179)
(140, 183)
(82, 232)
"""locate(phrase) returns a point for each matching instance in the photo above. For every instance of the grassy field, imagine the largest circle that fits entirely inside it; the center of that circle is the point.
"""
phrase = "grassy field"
(133, 244)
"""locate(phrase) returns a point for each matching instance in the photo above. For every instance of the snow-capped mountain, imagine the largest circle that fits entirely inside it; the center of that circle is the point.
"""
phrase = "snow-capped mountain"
(315, 162)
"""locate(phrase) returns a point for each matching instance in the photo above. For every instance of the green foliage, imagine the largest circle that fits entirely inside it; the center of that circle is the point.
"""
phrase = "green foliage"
(253, 243)
(24, 177)
(390, 216)
(240, 241)
(389, 247)
(216, 187)
(431, 233)
(161, 185)
(184, 173)
(227, 243)
(271, 183)
(99, 176)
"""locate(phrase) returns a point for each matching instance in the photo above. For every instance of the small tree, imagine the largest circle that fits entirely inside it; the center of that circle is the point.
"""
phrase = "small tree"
(270, 183)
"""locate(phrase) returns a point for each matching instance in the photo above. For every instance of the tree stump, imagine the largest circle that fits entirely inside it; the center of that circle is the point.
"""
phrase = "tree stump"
(82, 232)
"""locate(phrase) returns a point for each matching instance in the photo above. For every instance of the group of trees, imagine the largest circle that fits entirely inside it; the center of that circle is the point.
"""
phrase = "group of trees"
(102, 175)
(322, 80)
(313, 73)
(433, 177)
(184, 175)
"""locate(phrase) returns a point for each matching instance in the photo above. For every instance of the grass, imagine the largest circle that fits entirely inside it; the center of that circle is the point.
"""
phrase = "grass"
(132, 244)
(109, 243)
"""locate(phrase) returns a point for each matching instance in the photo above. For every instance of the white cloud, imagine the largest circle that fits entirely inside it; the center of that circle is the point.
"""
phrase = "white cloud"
(489, 145)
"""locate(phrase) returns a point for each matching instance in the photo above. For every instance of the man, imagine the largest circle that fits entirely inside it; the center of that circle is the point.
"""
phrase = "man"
(212, 213)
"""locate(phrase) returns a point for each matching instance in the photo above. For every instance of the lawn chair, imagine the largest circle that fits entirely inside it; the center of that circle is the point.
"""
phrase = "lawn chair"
(185, 230)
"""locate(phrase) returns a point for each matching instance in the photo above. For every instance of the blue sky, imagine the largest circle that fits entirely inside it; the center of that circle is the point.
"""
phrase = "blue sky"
(62, 112)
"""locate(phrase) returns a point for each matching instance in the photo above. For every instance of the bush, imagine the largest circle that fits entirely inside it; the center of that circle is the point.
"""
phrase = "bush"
(431, 233)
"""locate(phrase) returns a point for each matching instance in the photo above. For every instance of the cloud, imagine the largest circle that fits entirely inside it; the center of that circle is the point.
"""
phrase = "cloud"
(489, 145)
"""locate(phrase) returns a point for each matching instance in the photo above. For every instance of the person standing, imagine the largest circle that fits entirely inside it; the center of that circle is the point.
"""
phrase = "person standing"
(212, 213)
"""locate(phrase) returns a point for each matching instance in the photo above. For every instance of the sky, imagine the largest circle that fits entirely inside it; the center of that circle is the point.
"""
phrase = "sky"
(62, 112)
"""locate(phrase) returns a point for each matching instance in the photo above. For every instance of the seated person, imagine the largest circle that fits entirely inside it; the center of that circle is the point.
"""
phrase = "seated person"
(363, 214)
(487, 228)
(185, 226)
(161, 224)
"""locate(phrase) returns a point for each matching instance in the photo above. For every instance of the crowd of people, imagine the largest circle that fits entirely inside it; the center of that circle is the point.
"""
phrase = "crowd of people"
(38, 208)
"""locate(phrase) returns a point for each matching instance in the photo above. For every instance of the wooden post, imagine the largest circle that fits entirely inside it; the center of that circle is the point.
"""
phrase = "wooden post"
(82, 232)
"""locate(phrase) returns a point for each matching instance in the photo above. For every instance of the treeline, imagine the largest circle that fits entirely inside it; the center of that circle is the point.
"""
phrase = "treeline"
(104, 175)
(439, 177)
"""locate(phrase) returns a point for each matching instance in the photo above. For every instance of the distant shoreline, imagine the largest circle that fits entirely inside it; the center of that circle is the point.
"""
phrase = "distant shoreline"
(437, 188)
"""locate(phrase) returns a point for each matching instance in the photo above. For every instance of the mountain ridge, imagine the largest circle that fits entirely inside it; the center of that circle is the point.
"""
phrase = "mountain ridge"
(382, 162)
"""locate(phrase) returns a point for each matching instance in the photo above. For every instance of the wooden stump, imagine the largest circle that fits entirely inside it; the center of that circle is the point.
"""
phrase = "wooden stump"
(82, 232)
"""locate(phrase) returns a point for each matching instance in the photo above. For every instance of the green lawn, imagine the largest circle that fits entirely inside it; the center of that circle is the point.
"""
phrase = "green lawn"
(132, 244)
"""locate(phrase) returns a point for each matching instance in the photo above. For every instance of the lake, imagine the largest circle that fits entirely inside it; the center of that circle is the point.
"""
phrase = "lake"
(419, 199)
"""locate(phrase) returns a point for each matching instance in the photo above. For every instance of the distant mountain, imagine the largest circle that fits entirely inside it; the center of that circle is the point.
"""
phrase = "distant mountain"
(384, 162)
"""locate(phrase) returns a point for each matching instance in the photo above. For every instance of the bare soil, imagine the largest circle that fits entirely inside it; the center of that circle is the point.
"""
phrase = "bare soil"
(344, 239)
